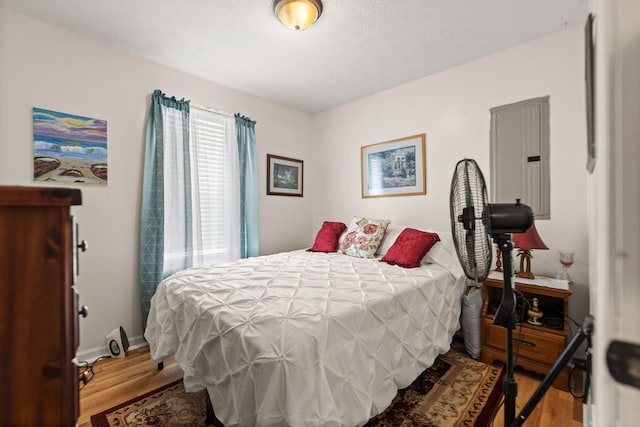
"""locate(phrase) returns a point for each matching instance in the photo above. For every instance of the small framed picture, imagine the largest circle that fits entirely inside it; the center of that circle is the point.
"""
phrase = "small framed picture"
(284, 176)
(394, 168)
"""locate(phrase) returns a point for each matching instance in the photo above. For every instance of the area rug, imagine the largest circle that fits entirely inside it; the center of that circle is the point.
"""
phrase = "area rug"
(459, 392)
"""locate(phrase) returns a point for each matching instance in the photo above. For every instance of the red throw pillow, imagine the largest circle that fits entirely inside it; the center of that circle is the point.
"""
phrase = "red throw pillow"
(327, 237)
(410, 247)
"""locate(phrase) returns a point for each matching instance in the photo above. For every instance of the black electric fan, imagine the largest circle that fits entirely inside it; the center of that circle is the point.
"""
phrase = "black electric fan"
(474, 222)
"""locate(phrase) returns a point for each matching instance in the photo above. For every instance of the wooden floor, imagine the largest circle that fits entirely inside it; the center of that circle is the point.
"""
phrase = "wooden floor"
(557, 408)
(118, 380)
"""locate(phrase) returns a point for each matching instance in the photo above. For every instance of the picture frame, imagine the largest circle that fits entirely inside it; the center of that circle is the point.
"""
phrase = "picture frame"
(394, 168)
(285, 176)
(69, 149)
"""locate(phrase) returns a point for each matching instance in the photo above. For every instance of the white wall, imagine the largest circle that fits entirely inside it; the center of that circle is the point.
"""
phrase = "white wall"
(42, 66)
(452, 108)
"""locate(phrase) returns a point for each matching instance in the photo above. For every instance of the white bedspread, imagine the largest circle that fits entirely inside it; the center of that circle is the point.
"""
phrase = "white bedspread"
(303, 338)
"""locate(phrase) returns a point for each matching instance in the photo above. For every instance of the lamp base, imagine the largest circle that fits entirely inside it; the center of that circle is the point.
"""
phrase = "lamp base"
(525, 275)
(498, 260)
(525, 264)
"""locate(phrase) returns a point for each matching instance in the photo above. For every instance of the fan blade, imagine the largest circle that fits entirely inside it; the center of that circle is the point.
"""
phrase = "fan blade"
(470, 242)
(467, 190)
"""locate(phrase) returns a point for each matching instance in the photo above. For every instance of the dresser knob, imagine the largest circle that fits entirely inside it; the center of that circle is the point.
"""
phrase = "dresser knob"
(84, 311)
(83, 245)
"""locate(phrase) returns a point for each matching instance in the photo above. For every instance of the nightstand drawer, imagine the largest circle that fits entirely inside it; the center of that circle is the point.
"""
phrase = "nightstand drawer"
(541, 345)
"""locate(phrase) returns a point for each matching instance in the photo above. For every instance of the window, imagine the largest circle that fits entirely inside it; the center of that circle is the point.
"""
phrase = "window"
(215, 188)
(197, 206)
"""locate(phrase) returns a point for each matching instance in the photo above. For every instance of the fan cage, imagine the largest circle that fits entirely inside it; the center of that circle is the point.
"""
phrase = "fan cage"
(468, 200)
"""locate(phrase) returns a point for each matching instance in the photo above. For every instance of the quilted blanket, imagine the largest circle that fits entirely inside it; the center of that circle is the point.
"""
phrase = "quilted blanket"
(304, 338)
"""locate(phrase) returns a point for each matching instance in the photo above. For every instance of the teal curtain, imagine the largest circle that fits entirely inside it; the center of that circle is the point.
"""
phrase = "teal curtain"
(165, 230)
(249, 231)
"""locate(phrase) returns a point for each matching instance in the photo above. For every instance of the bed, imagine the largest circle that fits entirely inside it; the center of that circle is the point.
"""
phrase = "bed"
(306, 338)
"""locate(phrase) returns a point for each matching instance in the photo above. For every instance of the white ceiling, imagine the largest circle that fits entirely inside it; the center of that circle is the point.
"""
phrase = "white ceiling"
(357, 47)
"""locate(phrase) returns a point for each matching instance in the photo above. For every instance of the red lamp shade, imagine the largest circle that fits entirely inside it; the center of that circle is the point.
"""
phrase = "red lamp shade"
(525, 242)
(529, 239)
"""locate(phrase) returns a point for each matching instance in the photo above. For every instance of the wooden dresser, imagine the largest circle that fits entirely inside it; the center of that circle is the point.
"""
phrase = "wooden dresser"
(38, 307)
(537, 347)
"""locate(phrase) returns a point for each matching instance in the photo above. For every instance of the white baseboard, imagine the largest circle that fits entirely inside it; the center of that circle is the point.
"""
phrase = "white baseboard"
(92, 354)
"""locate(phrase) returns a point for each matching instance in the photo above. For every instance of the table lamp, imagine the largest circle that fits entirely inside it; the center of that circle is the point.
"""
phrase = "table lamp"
(525, 242)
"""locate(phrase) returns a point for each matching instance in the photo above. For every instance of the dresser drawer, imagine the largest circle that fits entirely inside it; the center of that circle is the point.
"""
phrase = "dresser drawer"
(542, 346)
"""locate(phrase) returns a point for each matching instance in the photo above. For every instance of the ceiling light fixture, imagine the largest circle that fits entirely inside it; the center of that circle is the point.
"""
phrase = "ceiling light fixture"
(297, 15)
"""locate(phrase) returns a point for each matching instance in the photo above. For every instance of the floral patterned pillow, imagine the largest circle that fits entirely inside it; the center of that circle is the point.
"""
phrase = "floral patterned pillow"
(363, 237)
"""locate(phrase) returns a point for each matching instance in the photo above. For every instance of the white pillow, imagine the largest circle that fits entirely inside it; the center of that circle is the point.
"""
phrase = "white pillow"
(444, 253)
(390, 236)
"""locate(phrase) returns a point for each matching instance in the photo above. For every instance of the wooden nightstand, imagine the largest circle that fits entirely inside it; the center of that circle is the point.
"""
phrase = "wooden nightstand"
(535, 348)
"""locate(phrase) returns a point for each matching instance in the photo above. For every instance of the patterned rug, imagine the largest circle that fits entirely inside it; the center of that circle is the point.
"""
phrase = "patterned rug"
(460, 392)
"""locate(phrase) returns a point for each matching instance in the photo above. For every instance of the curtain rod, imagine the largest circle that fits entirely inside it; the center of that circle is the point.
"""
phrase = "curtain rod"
(212, 110)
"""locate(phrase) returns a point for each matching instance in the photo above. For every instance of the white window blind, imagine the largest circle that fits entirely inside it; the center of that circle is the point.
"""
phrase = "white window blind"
(215, 188)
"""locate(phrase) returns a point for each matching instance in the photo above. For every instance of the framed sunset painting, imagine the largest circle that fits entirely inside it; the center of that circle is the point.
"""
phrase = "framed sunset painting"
(68, 148)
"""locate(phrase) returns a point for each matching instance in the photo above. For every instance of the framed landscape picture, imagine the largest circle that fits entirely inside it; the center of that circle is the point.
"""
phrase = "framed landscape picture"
(394, 168)
(284, 176)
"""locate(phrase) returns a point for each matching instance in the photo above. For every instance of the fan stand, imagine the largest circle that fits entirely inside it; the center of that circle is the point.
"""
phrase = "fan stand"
(505, 316)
